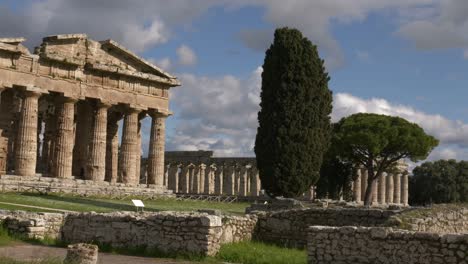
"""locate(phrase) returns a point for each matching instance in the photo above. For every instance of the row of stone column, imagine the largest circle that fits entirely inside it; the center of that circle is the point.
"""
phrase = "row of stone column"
(90, 151)
(387, 189)
(216, 179)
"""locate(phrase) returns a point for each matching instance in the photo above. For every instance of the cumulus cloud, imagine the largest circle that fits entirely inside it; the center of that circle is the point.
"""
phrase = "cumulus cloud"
(444, 26)
(220, 114)
(138, 25)
(186, 55)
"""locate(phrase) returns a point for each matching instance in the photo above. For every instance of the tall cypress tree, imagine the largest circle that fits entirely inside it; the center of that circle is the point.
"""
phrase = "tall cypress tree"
(294, 120)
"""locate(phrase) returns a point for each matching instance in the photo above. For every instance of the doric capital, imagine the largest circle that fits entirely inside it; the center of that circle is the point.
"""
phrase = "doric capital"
(159, 113)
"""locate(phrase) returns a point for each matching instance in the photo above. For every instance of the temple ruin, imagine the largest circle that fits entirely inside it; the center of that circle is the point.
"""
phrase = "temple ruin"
(60, 109)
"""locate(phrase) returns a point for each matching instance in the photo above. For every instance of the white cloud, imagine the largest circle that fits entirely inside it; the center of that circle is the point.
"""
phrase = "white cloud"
(363, 56)
(186, 55)
(165, 64)
(220, 114)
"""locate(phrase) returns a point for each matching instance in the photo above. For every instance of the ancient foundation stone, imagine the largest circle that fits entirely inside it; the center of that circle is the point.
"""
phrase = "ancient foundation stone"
(81, 254)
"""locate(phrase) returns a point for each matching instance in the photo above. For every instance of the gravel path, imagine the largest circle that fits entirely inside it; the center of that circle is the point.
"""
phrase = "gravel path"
(27, 252)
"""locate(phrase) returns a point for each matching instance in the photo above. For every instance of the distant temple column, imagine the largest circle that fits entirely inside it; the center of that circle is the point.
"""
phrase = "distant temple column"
(49, 138)
(173, 179)
(141, 116)
(26, 140)
(381, 188)
(364, 183)
(112, 147)
(397, 188)
(201, 178)
(375, 191)
(184, 181)
(96, 163)
(357, 187)
(63, 149)
(209, 179)
(389, 188)
(127, 158)
(254, 182)
(84, 118)
(404, 189)
(229, 176)
(156, 149)
(218, 182)
(243, 181)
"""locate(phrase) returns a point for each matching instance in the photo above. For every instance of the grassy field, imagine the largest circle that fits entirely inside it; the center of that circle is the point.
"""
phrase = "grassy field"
(100, 204)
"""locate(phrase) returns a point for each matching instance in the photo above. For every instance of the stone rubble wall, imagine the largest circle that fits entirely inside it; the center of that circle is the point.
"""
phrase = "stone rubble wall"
(11, 183)
(289, 227)
(32, 225)
(238, 228)
(454, 220)
(327, 245)
(195, 233)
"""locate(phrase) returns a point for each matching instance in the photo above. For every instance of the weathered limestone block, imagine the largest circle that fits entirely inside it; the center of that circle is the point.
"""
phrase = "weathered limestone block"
(81, 254)
(26, 139)
(96, 163)
(63, 147)
(156, 148)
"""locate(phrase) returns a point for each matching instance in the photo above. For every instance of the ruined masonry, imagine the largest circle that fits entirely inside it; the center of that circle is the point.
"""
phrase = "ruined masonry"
(60, 110)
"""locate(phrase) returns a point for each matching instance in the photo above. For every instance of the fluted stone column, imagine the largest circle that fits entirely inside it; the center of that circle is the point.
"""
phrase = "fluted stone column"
(210, 179)
(390, 187)
(404, 189)
(218, 189)
(201, 178)
(63, 149)
(375, 191)
(96, 163)
(156, 148)
(254, 182)
(397, 188)
(138, 151)
(381, 188)
(229, 176)
(84, 122)
(128, 150)
(26, 140)
(357, 187)
(112, 147)
(237, 180)
(243, 181)
(364, 183)
(49, 139)
(173, 179)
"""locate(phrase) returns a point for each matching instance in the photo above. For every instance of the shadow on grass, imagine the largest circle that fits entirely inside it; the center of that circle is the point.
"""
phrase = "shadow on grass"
(86, 201)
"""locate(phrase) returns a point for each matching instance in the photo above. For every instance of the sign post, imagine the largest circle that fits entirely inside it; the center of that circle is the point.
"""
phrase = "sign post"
(138, 204)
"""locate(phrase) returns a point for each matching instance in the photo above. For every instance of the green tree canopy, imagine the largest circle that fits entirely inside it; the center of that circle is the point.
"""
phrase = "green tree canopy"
(377, 142)
(294, 120)
(442, 181)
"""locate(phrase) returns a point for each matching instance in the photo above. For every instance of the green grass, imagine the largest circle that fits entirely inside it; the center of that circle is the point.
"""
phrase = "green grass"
(4, 260)
(102, 204)
(260, 253)
(5, 238)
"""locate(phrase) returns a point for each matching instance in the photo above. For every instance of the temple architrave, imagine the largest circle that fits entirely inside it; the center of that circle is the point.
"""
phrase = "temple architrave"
(60, 110)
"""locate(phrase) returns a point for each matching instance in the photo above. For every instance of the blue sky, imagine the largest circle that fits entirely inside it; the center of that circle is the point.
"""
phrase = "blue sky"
(398, 57)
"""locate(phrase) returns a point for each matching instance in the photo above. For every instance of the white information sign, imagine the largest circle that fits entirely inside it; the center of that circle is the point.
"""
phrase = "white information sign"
(138, 203)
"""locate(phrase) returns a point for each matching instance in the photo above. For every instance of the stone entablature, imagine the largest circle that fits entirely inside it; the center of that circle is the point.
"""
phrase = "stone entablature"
(349, 244)
(61, 107)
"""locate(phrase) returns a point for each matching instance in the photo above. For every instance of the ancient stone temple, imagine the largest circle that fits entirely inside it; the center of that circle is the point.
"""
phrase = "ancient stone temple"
(61, 106)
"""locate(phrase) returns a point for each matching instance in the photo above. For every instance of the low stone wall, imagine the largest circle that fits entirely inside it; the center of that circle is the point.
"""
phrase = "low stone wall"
(12, 183)
(32, 225)
(238, 228)
(440, 219)
(289, 228)
(327, 245)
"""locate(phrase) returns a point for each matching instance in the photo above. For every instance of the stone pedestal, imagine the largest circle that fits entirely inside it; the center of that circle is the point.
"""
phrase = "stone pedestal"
(26, 139)
(357, 187)
(96, 163)
(81, 254)
(128, 150)
(156, 149)
(63, 149)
